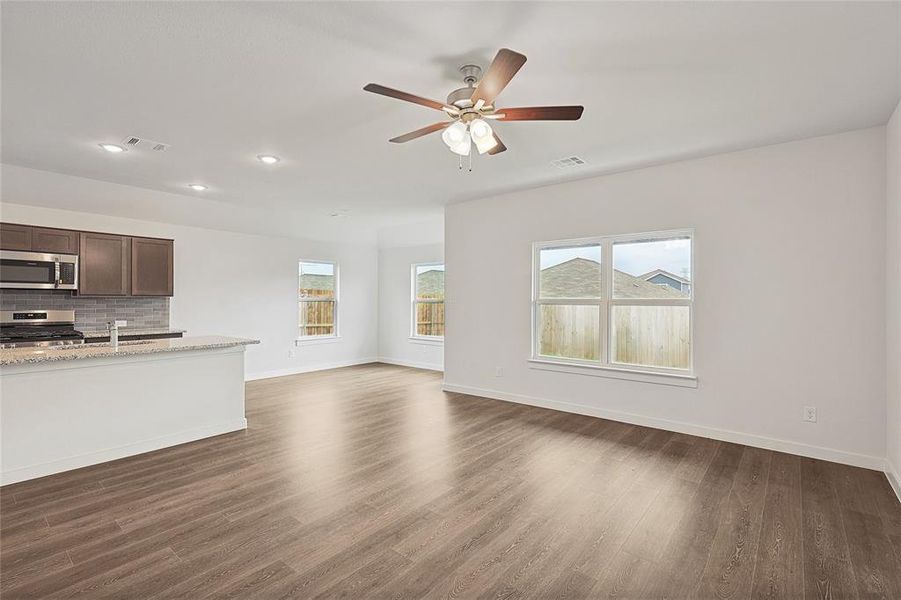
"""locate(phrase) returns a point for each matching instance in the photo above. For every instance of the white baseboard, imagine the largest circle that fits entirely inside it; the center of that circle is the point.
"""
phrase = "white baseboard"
(93, 458)
(308, 368)
(758, 441)
(409, 363)
(894, 477)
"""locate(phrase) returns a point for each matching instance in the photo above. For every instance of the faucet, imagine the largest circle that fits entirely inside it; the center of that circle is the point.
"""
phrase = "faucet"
(113, 328)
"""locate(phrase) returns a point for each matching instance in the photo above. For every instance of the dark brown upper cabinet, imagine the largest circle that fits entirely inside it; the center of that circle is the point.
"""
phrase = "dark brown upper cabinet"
(61, 241)
(108, 264)
(151, 267)
(15, 237)
(104, 265)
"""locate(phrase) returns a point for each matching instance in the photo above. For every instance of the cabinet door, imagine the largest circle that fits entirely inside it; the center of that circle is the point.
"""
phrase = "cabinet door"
(103, 265)
(15, 237)
(151, 267)
(62, 241)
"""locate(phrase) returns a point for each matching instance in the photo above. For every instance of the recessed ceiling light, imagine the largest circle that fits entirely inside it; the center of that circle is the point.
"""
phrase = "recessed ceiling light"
(267, 159)
(114, 148)
(197, 187)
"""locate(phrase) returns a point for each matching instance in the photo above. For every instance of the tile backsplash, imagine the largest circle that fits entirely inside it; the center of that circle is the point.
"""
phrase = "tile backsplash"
(92, 313)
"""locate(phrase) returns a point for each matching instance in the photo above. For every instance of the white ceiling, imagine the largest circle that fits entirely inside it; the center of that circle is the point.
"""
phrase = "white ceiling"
(223, 82)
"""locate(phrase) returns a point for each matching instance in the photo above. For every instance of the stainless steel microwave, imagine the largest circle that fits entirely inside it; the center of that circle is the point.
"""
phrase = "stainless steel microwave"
(38, 271)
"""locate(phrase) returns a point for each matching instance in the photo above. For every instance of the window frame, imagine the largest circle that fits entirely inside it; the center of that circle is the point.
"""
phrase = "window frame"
(301, 339)
(608, 302)
(415, 337)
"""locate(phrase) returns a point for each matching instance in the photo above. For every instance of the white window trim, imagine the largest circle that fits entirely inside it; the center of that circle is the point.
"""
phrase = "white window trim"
(641, 375)
(604, 367)
(317, 339)
(431, 340)
(428, 340)
(332, 337)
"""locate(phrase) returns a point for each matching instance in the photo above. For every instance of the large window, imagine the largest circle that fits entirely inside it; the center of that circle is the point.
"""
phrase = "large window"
(428, 301)
(317, 299)
(616, 301)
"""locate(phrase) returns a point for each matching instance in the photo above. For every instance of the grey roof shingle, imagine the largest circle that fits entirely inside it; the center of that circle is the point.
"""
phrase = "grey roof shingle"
(581, 278)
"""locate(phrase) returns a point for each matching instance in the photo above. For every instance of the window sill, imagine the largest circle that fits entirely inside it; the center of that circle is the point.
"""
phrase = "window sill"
(427, 341)
(323, 339)
(674, 379)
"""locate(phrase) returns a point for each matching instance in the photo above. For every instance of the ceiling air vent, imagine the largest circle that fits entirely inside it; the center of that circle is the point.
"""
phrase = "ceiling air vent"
(568, 162)
(134, 141)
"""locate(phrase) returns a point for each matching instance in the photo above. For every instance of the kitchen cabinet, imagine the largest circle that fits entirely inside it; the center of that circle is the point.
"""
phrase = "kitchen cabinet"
(38, 239)
(151, 267)
(61, 241)
(15, 237)
(108, 264)
(104, 264)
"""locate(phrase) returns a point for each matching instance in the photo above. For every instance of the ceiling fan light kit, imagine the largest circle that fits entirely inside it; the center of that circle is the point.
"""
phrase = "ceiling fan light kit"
(470, 108)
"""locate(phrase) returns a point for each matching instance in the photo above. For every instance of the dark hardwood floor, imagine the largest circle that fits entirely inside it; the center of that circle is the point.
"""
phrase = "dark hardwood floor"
(369, 482)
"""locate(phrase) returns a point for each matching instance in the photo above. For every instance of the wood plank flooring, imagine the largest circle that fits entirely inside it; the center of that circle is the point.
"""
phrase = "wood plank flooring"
(370, 482)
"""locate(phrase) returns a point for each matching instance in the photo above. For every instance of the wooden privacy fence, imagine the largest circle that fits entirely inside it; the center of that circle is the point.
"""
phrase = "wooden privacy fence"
(430, 318)
(316, 317)
(570, 331)
(652, 335)
(642, 335)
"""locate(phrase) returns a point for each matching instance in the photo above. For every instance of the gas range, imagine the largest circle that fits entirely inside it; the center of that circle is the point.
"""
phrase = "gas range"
(29, 328)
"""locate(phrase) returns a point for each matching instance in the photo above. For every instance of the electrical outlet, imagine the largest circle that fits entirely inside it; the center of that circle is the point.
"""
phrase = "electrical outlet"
(292, 353)
(810, 414)
(498, 371)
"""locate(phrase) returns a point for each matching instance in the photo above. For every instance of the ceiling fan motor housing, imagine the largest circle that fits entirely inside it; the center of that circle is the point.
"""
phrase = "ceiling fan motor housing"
(461, 98)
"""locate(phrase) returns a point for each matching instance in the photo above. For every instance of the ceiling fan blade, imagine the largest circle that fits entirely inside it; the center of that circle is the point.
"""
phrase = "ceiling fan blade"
(541, 113)
(499, 148)
(420, 132)
(502, 69)
(392, 93)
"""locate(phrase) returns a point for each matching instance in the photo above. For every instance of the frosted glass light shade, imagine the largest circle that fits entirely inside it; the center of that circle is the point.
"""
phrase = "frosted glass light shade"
(482, 135)
(454, 134)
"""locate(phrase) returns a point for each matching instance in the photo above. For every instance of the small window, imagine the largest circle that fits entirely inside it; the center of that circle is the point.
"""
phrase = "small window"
(428, 301)
(616, 301)
(317, 299)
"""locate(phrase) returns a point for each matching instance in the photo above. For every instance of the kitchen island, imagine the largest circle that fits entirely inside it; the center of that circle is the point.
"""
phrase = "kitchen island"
(67, 407)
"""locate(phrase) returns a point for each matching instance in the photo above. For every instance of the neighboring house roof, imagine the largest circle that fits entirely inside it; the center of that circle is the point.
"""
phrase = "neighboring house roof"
(431, 283)
(580, 277)
(672, 276)
(312, 281)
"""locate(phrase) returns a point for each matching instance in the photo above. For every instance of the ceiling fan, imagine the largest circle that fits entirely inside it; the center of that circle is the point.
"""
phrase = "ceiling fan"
(471, 107)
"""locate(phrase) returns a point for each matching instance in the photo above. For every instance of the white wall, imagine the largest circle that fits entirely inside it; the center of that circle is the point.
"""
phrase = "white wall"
(246, 285)
(893, 297)
(790, 282)
(395, 345)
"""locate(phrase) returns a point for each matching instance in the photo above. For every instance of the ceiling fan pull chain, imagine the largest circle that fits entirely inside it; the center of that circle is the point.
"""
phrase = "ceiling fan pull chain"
(470, 162)
(461, 161)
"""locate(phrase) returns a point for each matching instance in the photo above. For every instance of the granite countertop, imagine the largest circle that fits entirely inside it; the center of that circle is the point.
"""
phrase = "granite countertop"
(23, 356)
(125, 331)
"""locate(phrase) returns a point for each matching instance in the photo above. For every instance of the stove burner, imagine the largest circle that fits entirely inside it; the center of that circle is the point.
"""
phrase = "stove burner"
(15, 333)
